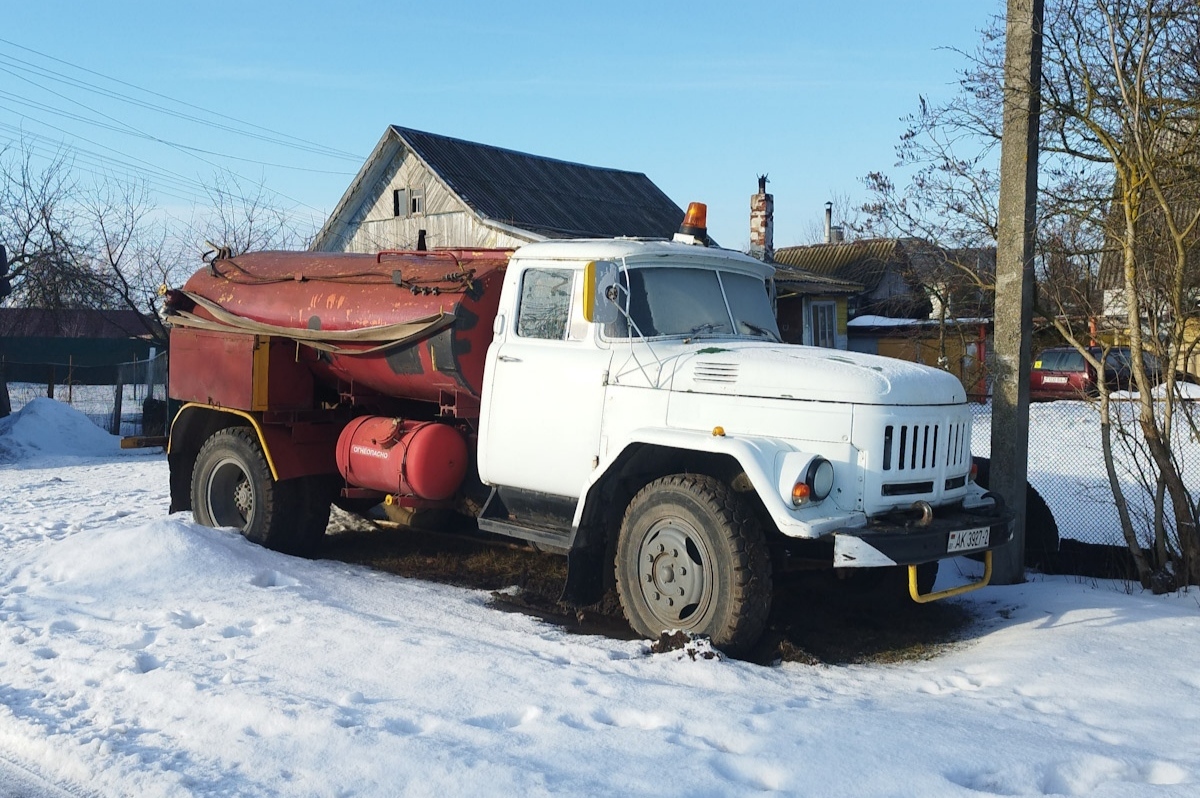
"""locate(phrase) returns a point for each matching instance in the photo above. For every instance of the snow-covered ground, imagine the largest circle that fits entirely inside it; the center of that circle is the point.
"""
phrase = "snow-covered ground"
(141, 654)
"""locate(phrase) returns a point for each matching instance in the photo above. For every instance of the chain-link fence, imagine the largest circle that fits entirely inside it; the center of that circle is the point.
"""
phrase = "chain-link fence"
(131, 398)
(1066, 461)
(1066, 466)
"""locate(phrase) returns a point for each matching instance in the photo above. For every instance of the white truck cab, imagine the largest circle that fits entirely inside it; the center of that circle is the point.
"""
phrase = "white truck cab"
(644, 385)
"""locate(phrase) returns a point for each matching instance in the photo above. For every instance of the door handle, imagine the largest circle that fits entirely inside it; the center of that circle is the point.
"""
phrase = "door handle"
(508, 359)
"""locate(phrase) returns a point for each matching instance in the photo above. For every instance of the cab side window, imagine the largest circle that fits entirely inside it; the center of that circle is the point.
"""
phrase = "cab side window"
(545, 308)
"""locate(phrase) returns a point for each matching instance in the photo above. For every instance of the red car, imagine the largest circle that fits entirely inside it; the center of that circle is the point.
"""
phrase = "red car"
(1063, 373)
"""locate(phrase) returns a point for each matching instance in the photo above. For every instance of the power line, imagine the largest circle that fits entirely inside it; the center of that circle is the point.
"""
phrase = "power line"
(327, 150)
(120, 127)
(203, 187)
(163, 180)
(131, 131)
(58, 77)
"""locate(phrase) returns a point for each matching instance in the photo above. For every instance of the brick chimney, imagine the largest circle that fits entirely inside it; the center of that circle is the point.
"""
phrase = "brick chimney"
(762, 223)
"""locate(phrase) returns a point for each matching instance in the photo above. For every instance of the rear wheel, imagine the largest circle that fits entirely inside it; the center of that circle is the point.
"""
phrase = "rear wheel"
(691, 556)
(1041, 530)
(232, 486)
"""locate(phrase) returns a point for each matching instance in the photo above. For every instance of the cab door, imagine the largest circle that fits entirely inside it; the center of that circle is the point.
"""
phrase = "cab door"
(544, 388)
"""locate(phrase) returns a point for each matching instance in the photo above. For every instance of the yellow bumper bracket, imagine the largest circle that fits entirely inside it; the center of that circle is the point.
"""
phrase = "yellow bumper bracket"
(953, 591)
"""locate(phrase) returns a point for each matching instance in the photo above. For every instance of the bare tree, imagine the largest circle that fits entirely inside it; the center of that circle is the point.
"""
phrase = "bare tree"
(1122, 84)
(1120, 169)
(38, 224)
(103, 244)
(241, 218)
(128, 251)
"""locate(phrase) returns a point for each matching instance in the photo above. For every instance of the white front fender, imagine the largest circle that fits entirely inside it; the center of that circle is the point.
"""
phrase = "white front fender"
(771, 465)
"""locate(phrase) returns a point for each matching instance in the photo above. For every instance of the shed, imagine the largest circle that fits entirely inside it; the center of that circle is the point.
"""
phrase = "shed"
(960, 346)
(41, 345)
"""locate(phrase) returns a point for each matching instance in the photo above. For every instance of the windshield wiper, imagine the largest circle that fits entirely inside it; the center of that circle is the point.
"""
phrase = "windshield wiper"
(762, 331)
(706, 327)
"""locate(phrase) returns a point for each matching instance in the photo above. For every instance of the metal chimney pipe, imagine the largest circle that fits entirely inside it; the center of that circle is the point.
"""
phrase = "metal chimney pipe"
(828, 222)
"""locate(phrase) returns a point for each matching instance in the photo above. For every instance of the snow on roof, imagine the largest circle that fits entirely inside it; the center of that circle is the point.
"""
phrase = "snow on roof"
(887, 321)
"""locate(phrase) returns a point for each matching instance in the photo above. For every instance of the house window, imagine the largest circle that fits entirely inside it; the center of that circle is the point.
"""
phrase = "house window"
(408, 201)
(545, 304)
(824, 324)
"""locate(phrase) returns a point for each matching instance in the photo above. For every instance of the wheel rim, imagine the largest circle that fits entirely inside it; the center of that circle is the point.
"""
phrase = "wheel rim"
(229, 495)
(673, 574)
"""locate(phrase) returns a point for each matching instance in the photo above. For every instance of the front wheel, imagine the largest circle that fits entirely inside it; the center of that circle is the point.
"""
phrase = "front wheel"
(232, 486)
(692, 556)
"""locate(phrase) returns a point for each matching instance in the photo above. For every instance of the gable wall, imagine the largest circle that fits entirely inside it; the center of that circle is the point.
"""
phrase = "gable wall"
(447, 222)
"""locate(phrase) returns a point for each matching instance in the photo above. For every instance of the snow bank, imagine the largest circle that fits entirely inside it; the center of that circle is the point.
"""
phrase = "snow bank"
(142, 654)
(48, 428)
(145, 655)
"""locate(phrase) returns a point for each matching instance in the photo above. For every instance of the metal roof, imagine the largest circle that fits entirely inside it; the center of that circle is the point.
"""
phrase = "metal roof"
(866, 261)
(799, 281)
(859, 261)
(552, 198)
(74, 323)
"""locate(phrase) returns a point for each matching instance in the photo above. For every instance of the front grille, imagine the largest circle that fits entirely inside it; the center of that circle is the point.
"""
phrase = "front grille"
(923, 446)
(907, 488)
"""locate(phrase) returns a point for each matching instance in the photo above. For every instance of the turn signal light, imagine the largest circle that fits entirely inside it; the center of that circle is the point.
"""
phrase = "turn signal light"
(815, 484)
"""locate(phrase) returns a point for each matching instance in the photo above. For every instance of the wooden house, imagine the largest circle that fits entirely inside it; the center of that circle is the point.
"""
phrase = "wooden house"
(465, 194)
(812, 308)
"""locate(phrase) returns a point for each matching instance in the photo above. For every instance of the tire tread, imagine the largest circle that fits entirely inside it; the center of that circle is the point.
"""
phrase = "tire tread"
(750, 599)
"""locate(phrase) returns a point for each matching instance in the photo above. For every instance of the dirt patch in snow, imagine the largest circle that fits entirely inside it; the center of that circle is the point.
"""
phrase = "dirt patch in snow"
(815, 618)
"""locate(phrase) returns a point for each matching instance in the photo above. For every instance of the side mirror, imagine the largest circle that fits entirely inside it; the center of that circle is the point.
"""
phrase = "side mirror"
(600, 292)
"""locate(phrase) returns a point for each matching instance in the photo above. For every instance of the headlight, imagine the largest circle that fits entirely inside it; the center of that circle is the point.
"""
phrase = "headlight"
(815, 484)
(819, 478)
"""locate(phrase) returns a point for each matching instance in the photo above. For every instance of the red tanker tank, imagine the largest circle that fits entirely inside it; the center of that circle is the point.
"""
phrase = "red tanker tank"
(414, 325)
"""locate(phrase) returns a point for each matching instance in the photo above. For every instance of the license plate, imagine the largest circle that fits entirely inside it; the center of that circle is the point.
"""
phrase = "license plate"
(1055, 380)
(966, 539)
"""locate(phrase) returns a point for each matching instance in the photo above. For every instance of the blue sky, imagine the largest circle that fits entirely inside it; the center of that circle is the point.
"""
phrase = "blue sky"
(702, 96)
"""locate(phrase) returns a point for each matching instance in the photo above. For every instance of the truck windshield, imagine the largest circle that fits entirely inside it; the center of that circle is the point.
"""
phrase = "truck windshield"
(674, 301)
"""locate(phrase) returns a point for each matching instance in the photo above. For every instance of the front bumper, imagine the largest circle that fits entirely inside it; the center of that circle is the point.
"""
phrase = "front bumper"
(900, 541)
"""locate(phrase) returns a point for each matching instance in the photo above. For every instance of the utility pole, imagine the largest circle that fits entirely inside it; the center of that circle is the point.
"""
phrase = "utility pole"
(1014, 274)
